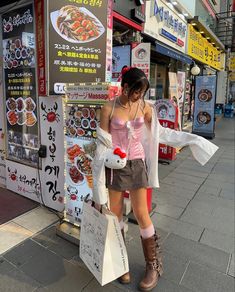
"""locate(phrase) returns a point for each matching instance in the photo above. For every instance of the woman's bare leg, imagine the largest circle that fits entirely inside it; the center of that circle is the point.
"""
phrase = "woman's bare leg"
(116, 203)
(140, 207)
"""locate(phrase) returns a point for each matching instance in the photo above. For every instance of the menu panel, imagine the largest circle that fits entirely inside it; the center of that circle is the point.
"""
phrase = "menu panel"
(20, 85)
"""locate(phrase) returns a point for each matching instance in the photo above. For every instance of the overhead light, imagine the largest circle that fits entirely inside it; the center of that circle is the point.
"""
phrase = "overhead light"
(194, 24)
(185, 14)
(174, 2)
(181, 15)
(218, 48)
(170, 5)
(207, 38)
(213, 43)
(202, 31)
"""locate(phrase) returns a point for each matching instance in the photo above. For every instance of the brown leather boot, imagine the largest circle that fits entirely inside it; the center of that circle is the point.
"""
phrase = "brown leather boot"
(124, 279)
(153, 260)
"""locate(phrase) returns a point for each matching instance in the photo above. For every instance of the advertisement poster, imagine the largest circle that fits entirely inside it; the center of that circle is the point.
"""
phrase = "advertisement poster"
(181, 89)
(20, 85)
(173, 93)
(205, 91)
(140, 57)
(80, 42)
(80, 125)
(121, 57)
(52, 136)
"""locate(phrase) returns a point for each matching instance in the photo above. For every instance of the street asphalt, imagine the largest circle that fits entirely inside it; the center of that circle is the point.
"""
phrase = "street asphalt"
(194, 216)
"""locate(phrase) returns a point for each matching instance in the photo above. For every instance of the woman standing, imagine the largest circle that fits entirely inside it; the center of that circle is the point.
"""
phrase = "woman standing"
(123, 124)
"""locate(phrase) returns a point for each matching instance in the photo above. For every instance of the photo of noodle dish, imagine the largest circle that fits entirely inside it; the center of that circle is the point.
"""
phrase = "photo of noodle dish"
(76, 24)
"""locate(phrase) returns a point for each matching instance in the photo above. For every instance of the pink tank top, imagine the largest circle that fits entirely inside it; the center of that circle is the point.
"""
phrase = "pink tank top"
(121, 135)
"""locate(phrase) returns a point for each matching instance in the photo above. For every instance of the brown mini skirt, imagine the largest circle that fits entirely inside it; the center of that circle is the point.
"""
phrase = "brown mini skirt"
(133, 176)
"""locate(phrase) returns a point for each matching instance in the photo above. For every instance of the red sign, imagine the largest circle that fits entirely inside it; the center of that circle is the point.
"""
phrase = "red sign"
(180, 43)
(40, 41)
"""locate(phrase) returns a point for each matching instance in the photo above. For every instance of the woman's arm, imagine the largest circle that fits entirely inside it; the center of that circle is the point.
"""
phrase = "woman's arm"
(105, 117)
(148, 114)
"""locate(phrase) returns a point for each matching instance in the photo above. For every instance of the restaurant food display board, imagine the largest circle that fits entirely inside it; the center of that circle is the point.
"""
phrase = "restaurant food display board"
(81, 117)
(204, 107)
(79, 42)
(20, 85)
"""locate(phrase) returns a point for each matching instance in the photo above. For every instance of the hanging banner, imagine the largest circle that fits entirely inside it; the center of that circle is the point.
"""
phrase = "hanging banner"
(80, 42)
(140, 57)
(202, 50)
(52, 136)
(41, 51)
(181, 90)
(20, 85)
(204, 106)
(173, 94)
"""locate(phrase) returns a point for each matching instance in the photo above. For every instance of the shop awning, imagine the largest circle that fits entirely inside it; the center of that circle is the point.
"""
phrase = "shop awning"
(164, 50)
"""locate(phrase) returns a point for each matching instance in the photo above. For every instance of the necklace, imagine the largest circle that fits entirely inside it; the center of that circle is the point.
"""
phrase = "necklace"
(121, 104)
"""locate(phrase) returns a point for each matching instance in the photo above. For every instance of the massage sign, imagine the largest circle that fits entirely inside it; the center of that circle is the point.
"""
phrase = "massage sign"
(79, 42)
(19, 71)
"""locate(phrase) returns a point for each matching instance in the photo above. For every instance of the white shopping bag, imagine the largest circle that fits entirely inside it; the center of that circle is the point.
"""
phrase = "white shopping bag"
(102, 247)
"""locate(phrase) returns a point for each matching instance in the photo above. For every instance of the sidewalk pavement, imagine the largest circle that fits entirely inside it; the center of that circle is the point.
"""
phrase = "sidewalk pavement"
(194, 216)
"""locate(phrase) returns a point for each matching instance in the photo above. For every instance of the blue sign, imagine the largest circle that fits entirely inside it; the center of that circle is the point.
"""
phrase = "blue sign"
(168, 35)
(169, 20)
(204, 105)
(172, 54)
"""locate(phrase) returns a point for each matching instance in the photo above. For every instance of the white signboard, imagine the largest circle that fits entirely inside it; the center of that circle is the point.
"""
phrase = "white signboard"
(22, 180)
(140, 57)
(52, 136)
(165, 25)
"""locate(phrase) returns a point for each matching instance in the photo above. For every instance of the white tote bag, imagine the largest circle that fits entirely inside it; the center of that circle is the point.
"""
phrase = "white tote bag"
(102, 247)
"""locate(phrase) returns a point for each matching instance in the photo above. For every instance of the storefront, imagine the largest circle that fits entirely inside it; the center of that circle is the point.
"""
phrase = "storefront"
(208, 52)
(41, 54)
(128, 18)
(166, 28)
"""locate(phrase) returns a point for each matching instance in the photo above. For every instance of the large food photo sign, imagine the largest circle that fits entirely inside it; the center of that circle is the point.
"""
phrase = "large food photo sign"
(19, 85)
(79, 41)
(80, 133)
(205, 94)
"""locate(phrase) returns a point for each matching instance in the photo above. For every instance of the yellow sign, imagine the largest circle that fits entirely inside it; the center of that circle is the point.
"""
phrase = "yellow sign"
(232, 63)
(200, 49)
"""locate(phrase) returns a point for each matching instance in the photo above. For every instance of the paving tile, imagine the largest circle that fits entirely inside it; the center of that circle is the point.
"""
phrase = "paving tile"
(199, 218)
(41, 289)
(205, 189)
(222, 177)
(178, 183)
(169, 210)
(171, 199)
(167, 286)
(12, 234)
(191, 172)
(174, 267)
(46, 237)
(5, 266)
(218, 240)
(73, 279)
(200, 278)
(45, 267)
(94, 286)
(23, 252)
(36, 220)
(231, 270)
(64, 248)
(183, 229)
(227, 194)
(215, 202)
(179, 190)
(219, 184)
(186, 178)
(17, 281)
(197, 252)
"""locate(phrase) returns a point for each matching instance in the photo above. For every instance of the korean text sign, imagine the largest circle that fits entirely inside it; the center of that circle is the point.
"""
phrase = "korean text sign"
(78, 42)
(200, 49)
